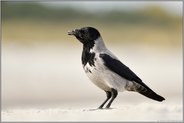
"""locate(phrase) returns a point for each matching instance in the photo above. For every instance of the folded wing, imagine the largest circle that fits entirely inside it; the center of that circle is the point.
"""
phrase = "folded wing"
(123, 71)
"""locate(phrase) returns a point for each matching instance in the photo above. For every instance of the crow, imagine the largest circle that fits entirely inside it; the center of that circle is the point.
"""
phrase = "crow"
(105, 70)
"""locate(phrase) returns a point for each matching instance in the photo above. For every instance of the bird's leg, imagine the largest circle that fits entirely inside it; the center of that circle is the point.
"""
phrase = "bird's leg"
(108, 93)
(114, 94)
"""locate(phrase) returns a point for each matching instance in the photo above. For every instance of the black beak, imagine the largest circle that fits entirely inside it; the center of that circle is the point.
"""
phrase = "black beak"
(73, 32)
(76, 33)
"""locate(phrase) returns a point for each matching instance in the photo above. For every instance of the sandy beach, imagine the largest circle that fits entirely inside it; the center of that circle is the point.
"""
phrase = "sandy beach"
(140, 112)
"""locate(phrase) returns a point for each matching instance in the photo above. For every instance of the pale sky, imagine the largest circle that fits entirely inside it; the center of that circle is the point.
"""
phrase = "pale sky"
(173, 7)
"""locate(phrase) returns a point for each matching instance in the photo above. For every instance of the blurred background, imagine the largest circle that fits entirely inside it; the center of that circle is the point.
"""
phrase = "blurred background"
(41, 64)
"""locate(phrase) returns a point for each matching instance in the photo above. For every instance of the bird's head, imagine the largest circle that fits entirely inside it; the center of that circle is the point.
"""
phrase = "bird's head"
(85, 35)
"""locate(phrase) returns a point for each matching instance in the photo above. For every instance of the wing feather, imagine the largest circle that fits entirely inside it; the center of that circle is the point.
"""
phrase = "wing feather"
(123, 71)
(120, 69)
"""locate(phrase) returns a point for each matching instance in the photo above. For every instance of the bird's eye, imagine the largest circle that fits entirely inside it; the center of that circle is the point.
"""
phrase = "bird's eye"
(82, 32)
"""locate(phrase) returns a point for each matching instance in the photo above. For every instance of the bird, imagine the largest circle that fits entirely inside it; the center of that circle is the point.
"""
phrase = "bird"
(105, 70)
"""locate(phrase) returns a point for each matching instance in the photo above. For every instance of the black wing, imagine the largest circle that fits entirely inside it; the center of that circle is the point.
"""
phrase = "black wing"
(119, 68)
(122, 70)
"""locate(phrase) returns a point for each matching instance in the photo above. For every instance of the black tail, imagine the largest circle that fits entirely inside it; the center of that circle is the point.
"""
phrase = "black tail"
(151, 94)
(146, 91)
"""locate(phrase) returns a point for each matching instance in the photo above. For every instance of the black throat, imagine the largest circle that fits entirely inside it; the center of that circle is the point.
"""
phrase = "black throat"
(88, 57)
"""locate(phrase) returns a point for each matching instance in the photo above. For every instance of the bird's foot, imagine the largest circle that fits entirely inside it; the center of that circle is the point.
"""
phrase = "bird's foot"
(106, 108)
(101, 107)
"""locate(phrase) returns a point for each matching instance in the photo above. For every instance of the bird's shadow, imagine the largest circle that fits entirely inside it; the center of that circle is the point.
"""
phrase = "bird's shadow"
(98, 109)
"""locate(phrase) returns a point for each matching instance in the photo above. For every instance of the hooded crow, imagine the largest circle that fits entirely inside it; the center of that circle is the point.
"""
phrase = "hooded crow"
(105, 70)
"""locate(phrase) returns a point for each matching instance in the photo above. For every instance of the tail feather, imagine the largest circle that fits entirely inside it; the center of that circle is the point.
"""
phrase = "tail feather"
(151, 94)
(145, 90)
